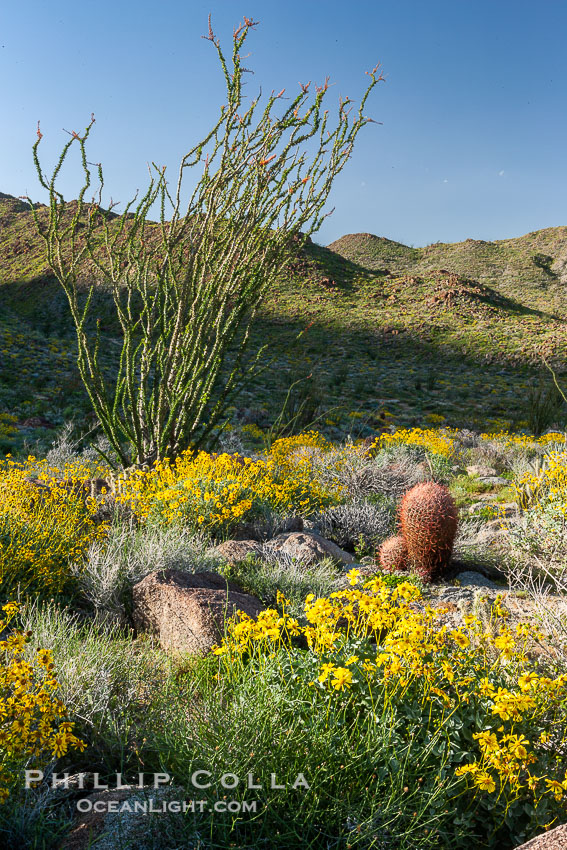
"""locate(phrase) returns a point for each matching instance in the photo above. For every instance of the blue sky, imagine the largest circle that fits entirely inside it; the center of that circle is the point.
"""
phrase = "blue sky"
(473, 139)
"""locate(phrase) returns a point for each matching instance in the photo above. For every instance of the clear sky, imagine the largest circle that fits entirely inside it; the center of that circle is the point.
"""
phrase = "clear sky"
(473, 140)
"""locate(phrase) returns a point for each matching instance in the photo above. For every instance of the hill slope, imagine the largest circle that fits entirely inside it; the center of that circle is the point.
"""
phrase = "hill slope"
(396, 335)
(531, 269)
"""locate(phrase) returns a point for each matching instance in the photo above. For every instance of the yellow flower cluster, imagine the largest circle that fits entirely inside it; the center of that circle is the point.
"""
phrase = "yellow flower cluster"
(8, 425)
(545, 487)
(287, 450)
(253, 431)
(524, 440)
(445, 672)
(216, 491)
(46, 523)
(432, 439)
(506, 759)
(32, 718)
(552, 437)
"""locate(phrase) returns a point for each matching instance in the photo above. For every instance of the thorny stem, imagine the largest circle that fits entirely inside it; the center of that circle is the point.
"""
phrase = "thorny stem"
(186, 291)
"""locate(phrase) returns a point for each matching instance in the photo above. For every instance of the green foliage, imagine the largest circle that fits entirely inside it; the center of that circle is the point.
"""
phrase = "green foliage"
(369, 781)
(543, 261)
(427, 702)
(544, 407)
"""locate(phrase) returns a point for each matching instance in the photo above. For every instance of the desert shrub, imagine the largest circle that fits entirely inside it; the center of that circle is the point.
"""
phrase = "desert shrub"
(540, 538)
(113, 564)
(368, 786)
(435, 441)
(536, 564)
(463, 439)
(544, 484)
(277, 571)
(63, 456)
(339, 466)
(34, 727)
(464, 705)
(217, 492)
(505, 450)
(355, 472)
(356, 523)
(441, 467)
(537, 550)
(395, 469)
(109, 683)
(230, 440)
(45, 526)
(435, 448)
(494, 453)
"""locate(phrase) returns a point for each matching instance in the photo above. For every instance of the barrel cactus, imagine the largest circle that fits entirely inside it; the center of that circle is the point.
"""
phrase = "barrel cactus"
(428, 520)
(393, 554)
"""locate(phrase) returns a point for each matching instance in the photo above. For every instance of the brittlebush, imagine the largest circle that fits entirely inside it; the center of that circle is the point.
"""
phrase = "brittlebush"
(46, 525)
(215, 492)
(431, 439)
(500, 725)
(33, 721)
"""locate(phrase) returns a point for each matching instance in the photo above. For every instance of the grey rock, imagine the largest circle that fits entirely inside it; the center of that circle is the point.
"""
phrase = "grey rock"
(469, 578)
(487, 498)
(481, 471)
(555, 839)
(235, 551)
(494, 480)
(119, 819)
(308, 548)
(490, 533)
(455, 594)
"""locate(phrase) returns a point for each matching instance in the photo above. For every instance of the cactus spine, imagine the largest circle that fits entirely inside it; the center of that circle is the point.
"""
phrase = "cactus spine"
(393, 554)
(428, 520)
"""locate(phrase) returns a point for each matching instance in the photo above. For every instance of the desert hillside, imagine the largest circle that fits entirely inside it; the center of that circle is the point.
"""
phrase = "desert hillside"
(397, 336)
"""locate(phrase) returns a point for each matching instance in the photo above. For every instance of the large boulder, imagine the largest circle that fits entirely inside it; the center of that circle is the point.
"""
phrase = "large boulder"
(555, 839)
(309, 547)
(187, 611)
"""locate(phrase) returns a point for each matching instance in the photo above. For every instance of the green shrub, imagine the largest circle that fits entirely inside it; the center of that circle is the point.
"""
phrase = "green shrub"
(464, 708)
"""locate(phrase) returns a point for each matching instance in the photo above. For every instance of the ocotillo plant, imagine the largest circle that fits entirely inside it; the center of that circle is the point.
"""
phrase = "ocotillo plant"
(186, 290)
